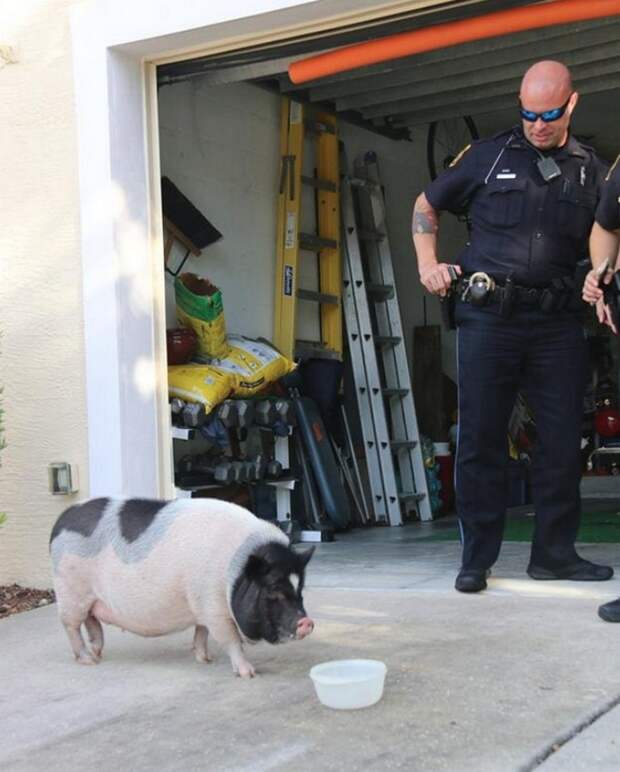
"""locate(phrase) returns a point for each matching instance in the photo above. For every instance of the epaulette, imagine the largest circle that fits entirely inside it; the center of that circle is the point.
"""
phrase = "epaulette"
(612, 168)
(505, 133)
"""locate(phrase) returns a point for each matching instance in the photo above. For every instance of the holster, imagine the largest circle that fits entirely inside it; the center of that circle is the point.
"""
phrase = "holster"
(557, 296)
(507, 300)
(447, 305)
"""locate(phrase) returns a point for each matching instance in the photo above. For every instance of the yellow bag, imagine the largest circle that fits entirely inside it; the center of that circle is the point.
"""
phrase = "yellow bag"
(200, 306)
(250, 365)
(199, 383)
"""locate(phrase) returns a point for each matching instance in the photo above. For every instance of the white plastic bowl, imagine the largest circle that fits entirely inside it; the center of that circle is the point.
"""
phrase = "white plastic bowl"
(347, 684)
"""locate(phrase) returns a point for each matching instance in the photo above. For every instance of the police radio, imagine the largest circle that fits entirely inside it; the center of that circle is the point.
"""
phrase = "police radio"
(548, 168)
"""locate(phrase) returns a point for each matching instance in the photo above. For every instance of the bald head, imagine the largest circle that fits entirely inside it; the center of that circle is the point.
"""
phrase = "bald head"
(547, 81)
(545, 87)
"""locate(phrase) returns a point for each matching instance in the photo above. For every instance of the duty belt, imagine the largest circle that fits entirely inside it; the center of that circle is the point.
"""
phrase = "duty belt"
(481, 289)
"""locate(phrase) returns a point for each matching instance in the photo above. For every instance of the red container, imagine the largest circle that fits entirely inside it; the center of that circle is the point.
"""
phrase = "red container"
(181, 344)
(607, 422)
(446, 475)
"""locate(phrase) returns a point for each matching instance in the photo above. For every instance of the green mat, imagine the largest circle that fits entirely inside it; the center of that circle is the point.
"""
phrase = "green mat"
(596, 527)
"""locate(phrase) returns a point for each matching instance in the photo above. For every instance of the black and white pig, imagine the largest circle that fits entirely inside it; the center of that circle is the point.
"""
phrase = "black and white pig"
(155, 567)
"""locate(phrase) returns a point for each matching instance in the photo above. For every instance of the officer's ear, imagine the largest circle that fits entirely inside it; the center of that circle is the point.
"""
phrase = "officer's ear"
(572, 103)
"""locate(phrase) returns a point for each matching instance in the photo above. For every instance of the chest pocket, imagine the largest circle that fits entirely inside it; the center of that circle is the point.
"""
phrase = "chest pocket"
(576, 208)
(501, 202)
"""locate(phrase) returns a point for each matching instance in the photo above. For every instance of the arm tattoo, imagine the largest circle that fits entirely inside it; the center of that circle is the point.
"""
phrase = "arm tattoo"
(424, 222)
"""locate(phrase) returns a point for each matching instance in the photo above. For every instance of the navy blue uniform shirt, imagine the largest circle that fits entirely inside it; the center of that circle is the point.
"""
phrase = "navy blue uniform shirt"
(521, 224)
(608, 210)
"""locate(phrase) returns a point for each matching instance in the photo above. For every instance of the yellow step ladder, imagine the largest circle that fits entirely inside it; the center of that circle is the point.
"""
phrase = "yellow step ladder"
(299, 123)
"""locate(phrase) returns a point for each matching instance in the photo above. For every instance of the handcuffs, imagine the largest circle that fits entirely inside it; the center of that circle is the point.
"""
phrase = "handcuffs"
(479, 286)
(477, 290)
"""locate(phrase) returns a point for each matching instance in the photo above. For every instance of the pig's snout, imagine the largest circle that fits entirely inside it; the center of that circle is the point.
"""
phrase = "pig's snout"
(304, 627)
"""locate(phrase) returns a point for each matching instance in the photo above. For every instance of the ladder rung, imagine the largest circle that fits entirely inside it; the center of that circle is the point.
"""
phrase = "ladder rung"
(314, 243)
(395, 392)
(315, 182)
(408, 495)
(318, 297)
(398, 445)
(380, 291)
(366, 235)
(387, 341)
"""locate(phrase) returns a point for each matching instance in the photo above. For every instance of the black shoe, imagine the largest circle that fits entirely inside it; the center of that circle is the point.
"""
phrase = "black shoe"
(471, 580)
(579, 571)
(610, 612)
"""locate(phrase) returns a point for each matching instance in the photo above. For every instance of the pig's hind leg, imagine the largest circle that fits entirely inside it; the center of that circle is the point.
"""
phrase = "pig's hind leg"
(74, 611)
(72, 625)
(201, 637)
(95, 635)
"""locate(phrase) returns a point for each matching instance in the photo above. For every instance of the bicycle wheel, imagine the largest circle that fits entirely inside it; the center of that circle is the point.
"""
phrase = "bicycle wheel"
(446, 139)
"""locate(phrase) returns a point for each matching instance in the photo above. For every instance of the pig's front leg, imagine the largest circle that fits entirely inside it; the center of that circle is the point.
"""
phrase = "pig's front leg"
(201, 637)
(225, 633)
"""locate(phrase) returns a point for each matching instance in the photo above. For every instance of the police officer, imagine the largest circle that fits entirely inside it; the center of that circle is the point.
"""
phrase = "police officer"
(605, 251)
(605, 244)
(531, 193)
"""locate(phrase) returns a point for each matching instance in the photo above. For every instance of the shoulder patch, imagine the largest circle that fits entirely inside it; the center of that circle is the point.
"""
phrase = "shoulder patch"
(459, 156)
(612, 168)
(137, 515)
(81, 518)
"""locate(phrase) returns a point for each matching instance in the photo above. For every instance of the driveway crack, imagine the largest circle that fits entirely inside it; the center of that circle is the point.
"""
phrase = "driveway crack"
(561, 740)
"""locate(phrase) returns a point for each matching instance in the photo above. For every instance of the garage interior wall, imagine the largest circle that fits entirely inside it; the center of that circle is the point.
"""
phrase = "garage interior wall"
(220, 146)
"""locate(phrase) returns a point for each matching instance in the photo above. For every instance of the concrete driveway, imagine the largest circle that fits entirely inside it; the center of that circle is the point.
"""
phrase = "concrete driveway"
(524, 676)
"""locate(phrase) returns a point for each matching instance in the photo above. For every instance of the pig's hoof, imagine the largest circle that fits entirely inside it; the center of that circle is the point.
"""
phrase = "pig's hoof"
(245, 670)
(202, 656)
(86, 659)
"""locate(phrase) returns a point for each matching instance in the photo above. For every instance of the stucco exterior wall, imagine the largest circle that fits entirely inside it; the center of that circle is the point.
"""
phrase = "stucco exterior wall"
(42, 356)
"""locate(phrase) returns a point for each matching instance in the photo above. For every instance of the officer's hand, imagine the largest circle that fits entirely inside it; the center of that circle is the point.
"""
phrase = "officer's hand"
(592, 293)
(437, 280)
(604, 317)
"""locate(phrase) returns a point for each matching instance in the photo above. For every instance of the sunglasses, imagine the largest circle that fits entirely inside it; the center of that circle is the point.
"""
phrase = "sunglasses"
(547, 116)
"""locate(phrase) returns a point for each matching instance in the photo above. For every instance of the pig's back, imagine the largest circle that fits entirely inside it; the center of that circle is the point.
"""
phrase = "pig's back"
(154, 564)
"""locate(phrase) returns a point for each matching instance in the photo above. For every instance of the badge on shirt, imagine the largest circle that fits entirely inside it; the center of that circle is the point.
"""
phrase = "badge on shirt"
(582, 175)
(505, 174)
(459, 156)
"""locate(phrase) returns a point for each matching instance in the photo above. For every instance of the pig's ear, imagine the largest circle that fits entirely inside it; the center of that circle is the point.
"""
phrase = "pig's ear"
(304, 557)
(256, 568)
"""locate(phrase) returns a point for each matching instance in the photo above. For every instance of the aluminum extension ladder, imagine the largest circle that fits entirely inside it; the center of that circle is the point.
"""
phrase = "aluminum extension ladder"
(388, 420)
(296, 122)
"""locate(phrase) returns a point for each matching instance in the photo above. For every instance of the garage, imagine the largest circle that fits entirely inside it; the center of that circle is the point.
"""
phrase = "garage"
(223, 124)
(108, 105)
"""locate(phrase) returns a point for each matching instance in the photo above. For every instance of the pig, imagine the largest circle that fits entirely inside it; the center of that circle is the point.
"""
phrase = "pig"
(156, 567)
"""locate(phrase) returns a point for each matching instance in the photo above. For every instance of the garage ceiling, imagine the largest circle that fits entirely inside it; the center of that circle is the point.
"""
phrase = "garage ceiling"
(478, 79)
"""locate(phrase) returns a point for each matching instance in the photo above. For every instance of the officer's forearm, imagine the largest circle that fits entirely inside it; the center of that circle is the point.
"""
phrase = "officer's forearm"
(425, 227)
(604, 246)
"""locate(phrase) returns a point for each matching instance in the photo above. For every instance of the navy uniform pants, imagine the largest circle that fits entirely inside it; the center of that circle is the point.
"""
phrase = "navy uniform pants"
(544, 356)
